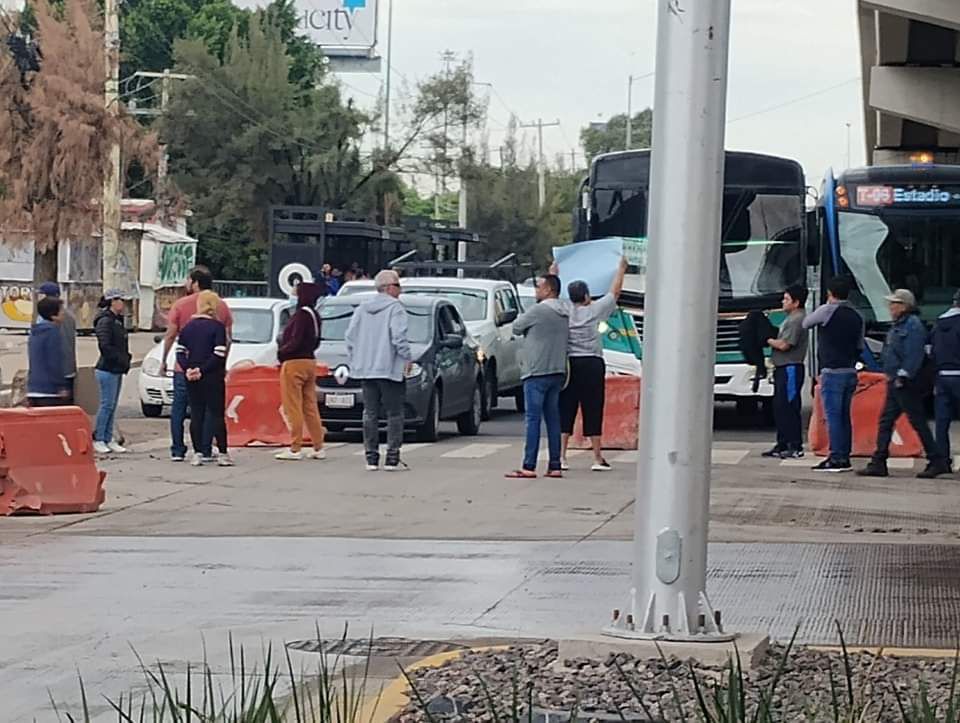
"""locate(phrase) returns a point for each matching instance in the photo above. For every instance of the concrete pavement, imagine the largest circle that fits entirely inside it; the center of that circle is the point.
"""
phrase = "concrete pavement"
(449, 550)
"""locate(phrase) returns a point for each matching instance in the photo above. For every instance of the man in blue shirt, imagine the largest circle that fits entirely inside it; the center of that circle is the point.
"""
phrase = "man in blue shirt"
(903, 356)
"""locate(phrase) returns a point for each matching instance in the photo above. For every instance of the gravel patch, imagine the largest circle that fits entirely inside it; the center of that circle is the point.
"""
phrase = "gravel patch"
(598, 691)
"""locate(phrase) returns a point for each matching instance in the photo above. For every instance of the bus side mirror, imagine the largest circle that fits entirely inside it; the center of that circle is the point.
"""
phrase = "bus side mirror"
(813, 237)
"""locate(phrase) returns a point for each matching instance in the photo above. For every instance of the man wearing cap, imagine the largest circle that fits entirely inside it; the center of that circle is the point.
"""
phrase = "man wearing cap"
(946, 354)
(68, 331)
(903, 357)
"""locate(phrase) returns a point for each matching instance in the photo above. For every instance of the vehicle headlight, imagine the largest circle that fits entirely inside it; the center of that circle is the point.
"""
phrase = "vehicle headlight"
(414, 371)
(603, 327)
(151, 367)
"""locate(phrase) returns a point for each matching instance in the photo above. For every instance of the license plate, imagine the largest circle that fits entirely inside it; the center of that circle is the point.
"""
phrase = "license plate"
(340, 401)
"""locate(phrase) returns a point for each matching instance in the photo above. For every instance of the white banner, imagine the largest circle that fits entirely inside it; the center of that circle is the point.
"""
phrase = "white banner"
(335, 25)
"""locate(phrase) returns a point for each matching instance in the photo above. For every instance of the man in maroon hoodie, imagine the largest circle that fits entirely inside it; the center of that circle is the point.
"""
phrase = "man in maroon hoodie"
(298, 375)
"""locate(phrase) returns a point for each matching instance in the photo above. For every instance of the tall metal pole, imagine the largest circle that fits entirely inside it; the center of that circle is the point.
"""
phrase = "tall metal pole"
(629, 112)
(848, 146)
(113, 276)
(541, 170)
(462, 204)
(669, 598)
(386, 99)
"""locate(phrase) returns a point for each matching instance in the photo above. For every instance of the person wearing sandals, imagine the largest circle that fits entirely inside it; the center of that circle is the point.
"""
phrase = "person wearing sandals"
(584, 392)
(202, 354)
(543, 362)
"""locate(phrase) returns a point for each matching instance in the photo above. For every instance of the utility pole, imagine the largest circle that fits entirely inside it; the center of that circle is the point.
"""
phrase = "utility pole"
(629, 113)
(573, 159)
(112, 275)
(541, 161)
(668, 597)
(462, 203)
(848, 145)
(386, 106)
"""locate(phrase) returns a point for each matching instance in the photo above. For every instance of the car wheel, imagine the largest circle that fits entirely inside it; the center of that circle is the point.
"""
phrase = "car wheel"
(151, 410)
(520, 401)
(429, 431)
(468, 423)
(490, 393)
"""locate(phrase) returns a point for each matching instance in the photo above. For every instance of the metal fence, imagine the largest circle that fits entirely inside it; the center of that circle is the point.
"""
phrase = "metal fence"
(241, 288)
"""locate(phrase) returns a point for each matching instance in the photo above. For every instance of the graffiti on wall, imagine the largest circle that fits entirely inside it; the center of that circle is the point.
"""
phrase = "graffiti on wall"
(176, 260)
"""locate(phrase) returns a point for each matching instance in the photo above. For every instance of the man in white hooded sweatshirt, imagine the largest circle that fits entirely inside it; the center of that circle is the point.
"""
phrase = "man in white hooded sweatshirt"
(543, 360)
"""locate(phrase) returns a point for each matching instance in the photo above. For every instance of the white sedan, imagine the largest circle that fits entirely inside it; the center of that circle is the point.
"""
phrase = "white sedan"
(257, 323)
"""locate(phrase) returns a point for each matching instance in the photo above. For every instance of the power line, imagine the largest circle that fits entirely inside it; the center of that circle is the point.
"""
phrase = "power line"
(800, 99)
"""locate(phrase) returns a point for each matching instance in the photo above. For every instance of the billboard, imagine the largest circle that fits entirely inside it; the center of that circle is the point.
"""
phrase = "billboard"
(339, 27)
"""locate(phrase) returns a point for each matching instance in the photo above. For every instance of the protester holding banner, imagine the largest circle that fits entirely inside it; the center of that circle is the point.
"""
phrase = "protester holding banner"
(584, 392)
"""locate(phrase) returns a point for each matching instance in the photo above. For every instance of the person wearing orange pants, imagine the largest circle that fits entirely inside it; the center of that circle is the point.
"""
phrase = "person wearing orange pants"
(298, 375)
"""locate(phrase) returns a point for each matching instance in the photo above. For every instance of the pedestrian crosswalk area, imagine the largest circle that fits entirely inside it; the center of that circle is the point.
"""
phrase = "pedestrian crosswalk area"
(507, 452)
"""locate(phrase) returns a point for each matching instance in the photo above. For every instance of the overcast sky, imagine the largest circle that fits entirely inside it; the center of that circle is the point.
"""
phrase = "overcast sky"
(570, 59)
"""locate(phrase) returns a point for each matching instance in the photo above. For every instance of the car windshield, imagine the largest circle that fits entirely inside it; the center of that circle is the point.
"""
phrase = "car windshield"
(887, 251)
(252, 326)
(336, 319)
(471, 303)
(761, 252)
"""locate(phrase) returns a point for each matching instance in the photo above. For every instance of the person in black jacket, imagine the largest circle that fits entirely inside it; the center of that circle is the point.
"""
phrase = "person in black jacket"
(113, 364)
(946, 354)
(202, 354)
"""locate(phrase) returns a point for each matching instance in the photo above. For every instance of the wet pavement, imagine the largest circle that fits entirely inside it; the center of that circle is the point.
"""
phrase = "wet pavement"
(451, 550)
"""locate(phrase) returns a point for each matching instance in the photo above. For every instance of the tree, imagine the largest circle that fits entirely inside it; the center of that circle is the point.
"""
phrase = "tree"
(447, 101)
(243, 136)
(55, 133)
(598, 138)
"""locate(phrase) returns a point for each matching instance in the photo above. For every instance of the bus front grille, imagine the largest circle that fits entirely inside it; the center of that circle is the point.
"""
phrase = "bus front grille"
(728, 332)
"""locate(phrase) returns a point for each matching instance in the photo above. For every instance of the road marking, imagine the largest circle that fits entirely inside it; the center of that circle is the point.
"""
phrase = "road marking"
(728, 456)
(798, 462)
(901, 463)
(412, 447)
(474, 451)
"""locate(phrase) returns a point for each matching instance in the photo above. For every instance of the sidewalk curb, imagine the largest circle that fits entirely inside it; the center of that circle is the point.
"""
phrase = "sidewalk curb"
(393, 698)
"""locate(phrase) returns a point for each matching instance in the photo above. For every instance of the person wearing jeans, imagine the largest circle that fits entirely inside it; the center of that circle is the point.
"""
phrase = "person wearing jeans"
(543, 361)
(199, 279)
(945, 342)
(113, 364)
(788, 356)
(379, 356)
(383, 396)
(904, 354)
(839, 349)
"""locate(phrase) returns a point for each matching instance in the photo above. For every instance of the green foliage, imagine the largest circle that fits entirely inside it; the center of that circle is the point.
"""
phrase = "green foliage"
(243, 136)
(612, 135)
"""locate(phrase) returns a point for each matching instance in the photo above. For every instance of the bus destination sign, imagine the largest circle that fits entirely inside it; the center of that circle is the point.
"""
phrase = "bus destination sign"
(907, 196)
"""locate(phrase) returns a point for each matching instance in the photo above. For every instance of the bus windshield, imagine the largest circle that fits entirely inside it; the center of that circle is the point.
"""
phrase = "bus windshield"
(901, 250)
(761, 250)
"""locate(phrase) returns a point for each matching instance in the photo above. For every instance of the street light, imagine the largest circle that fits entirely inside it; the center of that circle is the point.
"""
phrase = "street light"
(631, 79)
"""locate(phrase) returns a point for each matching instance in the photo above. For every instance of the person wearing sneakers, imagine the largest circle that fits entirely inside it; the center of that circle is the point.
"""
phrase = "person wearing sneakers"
(543, 363)
(788, 357)
(202, 354)
(112, 366)
(840, 344)
(945, 341)
(584, 392)
(379, 355)
(298, 374)
(904, 353)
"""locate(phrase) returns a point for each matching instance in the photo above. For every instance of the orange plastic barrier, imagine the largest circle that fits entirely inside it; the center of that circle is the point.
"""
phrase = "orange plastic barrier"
(621, 415)
(867, 406)
(254, 411)
(46, 462)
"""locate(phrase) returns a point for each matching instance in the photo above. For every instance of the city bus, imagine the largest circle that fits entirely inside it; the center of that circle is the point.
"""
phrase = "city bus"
(892, 227)
(763, 243)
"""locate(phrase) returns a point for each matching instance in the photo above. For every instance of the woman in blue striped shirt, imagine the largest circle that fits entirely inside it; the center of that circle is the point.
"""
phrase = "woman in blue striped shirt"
(202, 354)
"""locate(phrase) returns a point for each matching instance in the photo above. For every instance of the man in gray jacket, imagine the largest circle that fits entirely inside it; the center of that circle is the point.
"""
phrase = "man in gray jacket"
(68, 330)
(379, 355)
(543, 361)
